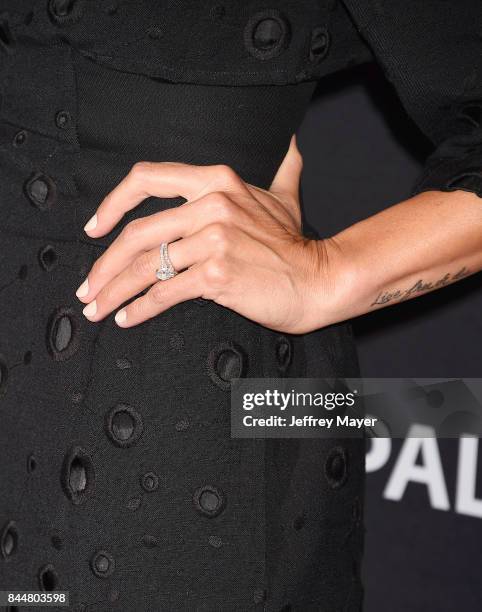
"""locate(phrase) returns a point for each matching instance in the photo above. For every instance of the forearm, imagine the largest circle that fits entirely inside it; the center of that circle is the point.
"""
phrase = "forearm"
(417, 246)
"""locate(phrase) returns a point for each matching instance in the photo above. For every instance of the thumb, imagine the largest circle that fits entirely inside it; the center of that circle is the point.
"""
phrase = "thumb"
(287, 179)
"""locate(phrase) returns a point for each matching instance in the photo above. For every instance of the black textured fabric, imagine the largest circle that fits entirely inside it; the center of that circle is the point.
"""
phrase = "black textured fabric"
(431, 52)
(119, 480)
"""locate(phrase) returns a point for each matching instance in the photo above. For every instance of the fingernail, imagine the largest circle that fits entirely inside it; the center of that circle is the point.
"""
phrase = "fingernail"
(83, 290)
(90, 309)
(91, 224)
(121, 316)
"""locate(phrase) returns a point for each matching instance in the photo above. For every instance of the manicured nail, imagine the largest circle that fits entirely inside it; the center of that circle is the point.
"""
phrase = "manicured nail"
(83, 290)
(90, 309)
(91, 224)
(121, 316)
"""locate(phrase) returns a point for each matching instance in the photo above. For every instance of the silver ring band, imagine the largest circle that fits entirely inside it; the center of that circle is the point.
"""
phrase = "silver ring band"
(166, 269)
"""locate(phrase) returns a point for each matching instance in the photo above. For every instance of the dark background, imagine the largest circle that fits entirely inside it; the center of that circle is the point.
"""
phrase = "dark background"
(362, 153)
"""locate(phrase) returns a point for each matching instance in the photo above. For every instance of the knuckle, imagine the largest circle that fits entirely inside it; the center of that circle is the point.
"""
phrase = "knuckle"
(142, 266)
(221, 207)
(227, 174)
(140, 169)
(132, 230)
(298, 157)
(217, 234)
(157, 294)
(216, 272)
(135, 309)
(217, 199)
(99, 268)
(107, 296)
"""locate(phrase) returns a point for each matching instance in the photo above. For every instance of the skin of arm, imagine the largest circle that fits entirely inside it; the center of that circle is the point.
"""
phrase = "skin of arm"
(422, 244)
(242, 247)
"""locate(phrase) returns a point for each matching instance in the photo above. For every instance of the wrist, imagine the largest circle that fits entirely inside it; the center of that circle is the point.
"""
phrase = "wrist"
(335, 284)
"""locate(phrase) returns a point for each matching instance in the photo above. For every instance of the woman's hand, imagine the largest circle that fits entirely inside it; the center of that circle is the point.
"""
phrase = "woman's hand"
(233, 243)
(242, 247)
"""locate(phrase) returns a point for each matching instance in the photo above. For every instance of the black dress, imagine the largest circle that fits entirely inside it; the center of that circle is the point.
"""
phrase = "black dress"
(120, 482)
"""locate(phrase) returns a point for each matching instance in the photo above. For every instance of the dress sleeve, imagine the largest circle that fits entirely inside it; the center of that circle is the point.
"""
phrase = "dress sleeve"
(431, 52)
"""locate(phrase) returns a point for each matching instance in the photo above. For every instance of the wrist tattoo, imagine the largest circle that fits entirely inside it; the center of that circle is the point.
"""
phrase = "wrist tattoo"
(399, 295)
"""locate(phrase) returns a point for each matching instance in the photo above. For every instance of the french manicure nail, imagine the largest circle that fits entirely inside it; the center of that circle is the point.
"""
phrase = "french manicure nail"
(91, 223)
(90, 309)
(121, 316)
(83, 290)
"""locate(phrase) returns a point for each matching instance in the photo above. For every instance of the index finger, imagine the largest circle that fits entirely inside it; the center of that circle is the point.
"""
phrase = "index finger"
(159, 179)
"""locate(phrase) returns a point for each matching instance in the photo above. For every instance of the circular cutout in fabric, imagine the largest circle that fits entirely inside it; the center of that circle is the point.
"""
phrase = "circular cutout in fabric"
(20, 138)
(320, 44)
(123, 425)
(209, 500)
(102, 564)
(9, 540)
(284, 353)
(78, 475)
(41, 191)
(3, 374)
(48, 579)
(31, 463)
(150, 482)
(47, 257)
(62, 119)
(267, 34)
(63, 331)
(336, 467)
(226, 362)
(65, 11)
(7, 39)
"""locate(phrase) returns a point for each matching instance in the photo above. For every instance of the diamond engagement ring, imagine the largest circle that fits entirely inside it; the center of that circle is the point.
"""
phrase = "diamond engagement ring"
(166, 269)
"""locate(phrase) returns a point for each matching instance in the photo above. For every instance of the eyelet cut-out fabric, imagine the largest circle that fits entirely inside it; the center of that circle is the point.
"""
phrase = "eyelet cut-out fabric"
(150, 481)
(63, 333)
(78, 475)
(41, 191)
(267, 33)
(7, 41)
(8, 540)
(119, 465)
(284, 353)
(89, 88)
(226, 362)
(209, 500)
(123, 425)
(48, 578)
(65, 11)
(31, 464)
(336, 467)
(3, 374)
(320, 43)
(102, 564)
(47, 257)
(20, 138)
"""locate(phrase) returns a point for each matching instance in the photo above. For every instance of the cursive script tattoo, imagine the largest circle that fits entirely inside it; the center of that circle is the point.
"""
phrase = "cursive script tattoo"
(385, 297)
